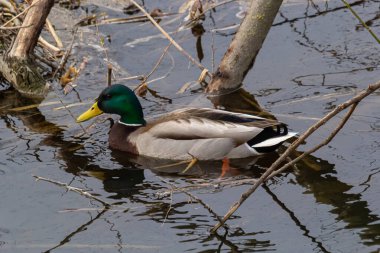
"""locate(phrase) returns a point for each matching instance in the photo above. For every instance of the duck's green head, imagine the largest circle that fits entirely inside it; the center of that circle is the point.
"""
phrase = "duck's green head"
(117, 99)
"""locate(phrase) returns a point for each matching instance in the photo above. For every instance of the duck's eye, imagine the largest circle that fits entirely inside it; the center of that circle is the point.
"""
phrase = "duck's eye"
(107, 96)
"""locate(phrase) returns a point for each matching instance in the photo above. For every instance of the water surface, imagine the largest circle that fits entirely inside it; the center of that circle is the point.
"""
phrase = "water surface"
(315, 57)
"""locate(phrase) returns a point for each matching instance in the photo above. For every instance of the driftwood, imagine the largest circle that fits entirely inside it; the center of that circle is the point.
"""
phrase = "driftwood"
(240, 56)
(17, 65)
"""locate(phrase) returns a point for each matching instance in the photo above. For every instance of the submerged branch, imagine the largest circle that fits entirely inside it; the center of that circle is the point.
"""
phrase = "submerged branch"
(73, 189)
(212, 185)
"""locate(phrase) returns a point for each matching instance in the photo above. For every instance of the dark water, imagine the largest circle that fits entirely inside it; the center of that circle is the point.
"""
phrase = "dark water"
(319, 57)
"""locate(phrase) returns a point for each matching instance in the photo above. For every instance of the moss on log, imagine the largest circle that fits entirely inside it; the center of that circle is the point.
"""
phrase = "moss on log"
(24, 76)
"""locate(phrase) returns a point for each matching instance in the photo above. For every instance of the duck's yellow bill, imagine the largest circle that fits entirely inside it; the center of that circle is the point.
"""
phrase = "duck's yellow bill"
(90, 113)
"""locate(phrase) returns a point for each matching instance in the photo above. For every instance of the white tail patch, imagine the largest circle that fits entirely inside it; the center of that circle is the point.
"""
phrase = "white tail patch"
(274, 141)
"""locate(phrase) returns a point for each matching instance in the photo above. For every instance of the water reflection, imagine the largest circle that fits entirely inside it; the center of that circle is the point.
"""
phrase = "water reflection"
(198, 30)
(32, 118)
(348, 207)
(80, 229)
(130, 182)
(241, 101)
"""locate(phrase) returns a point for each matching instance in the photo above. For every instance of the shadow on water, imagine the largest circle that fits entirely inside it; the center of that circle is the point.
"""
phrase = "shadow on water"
(348, 207)
(314, 174)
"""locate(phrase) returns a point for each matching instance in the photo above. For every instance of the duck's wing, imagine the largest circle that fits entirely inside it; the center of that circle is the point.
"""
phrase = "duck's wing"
(226, 116)
(199, 123)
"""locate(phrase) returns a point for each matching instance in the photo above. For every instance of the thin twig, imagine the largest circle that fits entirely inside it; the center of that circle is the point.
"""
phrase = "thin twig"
(159, 61)
(109, 64)
(140, 77)
(206, 206)
(144, 83)
(134, 19)
(66, 55)
(15, 27)
(53, 33)
(356, 99)
(169, 209)
(73, 189)
(43, 43)
(167, 73)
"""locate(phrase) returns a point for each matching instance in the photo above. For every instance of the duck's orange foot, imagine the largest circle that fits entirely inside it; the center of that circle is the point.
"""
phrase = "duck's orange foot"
(225, 167)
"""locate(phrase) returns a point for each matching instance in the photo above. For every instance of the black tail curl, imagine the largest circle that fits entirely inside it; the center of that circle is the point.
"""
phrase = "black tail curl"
(268, 133)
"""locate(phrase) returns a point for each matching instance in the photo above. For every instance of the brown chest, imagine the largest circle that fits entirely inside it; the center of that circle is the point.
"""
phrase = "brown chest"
(119, 138)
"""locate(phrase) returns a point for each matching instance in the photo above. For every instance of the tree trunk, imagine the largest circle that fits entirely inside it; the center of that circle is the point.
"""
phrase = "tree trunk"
(245, 46)
(27, 37)
(17, 66)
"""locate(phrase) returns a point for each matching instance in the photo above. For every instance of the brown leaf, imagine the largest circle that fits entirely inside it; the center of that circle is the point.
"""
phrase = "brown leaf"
(142, 89)
(69, 76)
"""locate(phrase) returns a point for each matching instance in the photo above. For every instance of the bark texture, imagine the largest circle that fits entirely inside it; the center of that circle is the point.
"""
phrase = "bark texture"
(34, 21)
(245, 46)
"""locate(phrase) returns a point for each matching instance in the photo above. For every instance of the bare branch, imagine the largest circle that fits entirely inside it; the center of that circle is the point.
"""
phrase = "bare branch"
(355, 100)
(14, 27)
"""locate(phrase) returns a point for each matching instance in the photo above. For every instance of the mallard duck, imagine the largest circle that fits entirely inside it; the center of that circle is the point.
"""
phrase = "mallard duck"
(201, 133)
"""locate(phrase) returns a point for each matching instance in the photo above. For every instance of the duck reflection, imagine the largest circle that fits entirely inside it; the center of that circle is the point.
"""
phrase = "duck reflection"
(129, 181)
(124, 183)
